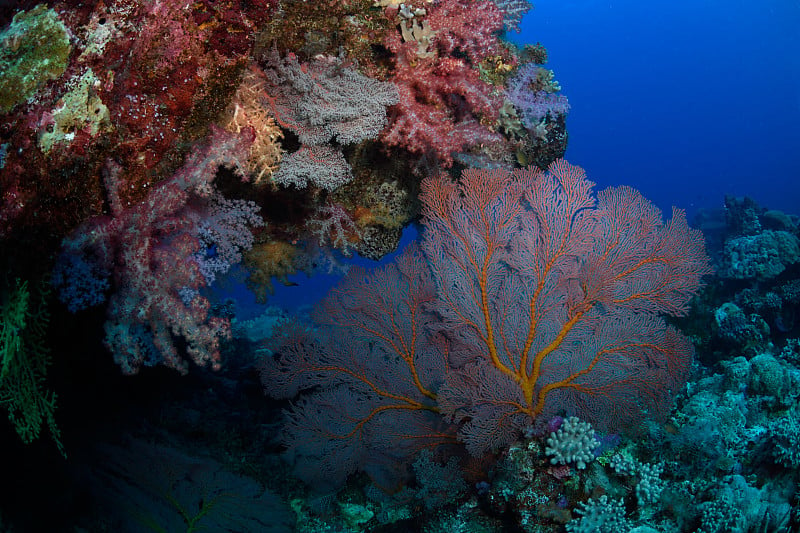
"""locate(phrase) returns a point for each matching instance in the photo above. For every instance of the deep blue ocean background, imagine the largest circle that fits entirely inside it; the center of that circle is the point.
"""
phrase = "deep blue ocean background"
(685, 100)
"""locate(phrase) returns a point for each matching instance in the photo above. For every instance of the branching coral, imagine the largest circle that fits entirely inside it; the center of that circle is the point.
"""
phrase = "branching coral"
(24, 359)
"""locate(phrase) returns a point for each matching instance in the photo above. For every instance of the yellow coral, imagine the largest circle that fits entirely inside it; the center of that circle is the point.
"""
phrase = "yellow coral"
(265, 261)
(386, 206)
(496, 69)
(246, 111)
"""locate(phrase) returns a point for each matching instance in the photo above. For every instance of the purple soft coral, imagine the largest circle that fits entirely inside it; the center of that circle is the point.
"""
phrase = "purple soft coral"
(528, 93)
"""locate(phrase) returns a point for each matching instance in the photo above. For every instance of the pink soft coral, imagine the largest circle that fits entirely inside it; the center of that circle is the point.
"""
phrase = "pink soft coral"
(445, 106)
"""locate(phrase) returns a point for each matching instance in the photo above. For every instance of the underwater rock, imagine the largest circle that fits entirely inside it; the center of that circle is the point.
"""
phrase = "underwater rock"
(735, 326)
(771, 377)
(761, 257)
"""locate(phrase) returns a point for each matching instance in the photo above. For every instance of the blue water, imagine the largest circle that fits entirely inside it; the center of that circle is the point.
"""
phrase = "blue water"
(307, 289)
(686, 101)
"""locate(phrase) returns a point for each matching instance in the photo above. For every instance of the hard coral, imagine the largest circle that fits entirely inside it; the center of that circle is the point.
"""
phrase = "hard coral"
(762, 256)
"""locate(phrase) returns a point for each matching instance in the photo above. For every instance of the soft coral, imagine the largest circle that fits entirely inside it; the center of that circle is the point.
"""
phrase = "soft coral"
(445, 106)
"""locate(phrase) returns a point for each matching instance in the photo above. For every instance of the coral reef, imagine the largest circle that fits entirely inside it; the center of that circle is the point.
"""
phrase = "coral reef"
(396, 91)
(411, 357)
(520, 368)
(35, 49)
(724, 460)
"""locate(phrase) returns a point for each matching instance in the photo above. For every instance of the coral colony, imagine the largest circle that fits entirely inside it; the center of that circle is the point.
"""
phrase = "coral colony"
(520, 367)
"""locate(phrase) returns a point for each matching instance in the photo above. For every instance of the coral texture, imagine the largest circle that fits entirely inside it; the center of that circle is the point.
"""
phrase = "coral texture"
(156, 252)
(403, 345)
(552, 299)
